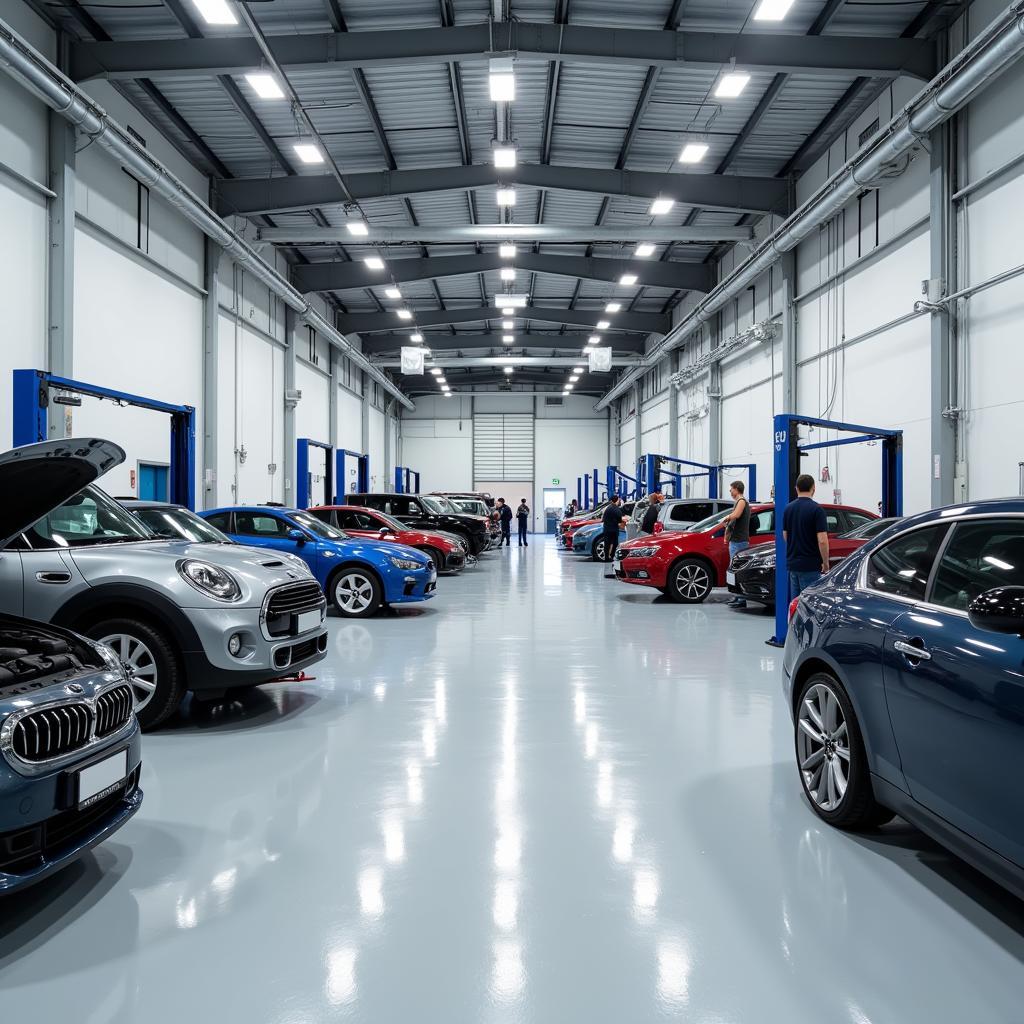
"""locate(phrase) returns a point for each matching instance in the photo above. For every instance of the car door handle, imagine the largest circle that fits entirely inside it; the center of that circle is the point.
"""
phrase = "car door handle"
(53, 577)
(912, 651)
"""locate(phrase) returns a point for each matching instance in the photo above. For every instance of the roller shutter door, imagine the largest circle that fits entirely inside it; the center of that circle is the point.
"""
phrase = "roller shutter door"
(503, 446)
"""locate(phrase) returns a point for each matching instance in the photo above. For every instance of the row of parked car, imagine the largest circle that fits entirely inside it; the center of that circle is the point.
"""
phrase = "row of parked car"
(114, 610)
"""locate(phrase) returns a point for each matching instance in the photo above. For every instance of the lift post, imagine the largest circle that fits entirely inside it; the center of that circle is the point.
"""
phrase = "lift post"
(302, 484)
(788, 451)
(650, 472)
(32, 398)
(362, 473)
(618, 482)
(404, 477)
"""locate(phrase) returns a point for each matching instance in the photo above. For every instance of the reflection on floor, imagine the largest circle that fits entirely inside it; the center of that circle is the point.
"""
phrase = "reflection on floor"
(545, 797)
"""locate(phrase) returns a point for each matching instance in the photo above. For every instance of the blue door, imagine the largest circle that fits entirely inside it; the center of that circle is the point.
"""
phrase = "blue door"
(956, 692)
(152, 482)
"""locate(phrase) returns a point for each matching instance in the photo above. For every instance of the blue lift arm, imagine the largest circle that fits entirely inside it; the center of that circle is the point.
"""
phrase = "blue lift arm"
(362, 473)
(302, 470)
(404, 479)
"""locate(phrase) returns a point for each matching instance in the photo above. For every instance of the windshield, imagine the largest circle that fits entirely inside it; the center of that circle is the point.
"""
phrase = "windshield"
(434, 505)
(180, 524)
(90, 517)
(707, 525)
(390, 521)
(868, 530)
(317, 528)
(476, 508)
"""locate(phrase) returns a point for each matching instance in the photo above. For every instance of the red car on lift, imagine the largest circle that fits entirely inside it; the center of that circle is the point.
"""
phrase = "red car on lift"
(445, 552)
(687, 566)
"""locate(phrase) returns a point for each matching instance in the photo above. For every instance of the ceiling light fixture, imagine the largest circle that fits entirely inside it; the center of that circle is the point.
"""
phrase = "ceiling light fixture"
(216, 12)
(661, 205)
(593, 339)
(357, 227)
(628, 280)
(613, 307)
(417, 337)
(507, 310)
(508, 273)
(507, 250)
(504, 156)
(693, 152)
(507, 325)
(643, 250)
(506, 197)
(403, 314)
(436, 371)
(508, 338)
(265, 86)
(731, 85)
(569, 387)
(577, 369)
(509, 303)
(603, 325)
(772, 10)
(392, 292)
(441, 380)
(374, 262)
(447, 393)
(509, 369)
(502, 80)
(308, 153)
(573, 379)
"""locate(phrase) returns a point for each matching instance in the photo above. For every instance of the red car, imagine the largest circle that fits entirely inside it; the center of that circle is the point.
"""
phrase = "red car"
(688, 566)
(445, 551)
(571, 525)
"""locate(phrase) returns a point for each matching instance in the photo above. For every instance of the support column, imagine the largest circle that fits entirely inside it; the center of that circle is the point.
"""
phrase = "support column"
(715, 395)
(637, 440)
(364, 425)
(61, 260)
(332, 399)
(789, 395)
(674, 359)
(943, 406)
(291, 400)
(211, 371)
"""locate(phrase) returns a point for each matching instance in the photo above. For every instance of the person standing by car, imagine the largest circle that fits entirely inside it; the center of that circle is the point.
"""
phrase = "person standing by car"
(737, 530)
(651, 515)
(505, 516)
(805, 531)
(522, 518)
(573, 508)
(611, 522)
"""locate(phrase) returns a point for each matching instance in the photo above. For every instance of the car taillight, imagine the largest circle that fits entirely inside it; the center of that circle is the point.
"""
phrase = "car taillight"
(792, 608)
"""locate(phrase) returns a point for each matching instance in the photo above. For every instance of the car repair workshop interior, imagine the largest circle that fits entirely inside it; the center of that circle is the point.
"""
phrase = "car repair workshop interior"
(514, 511)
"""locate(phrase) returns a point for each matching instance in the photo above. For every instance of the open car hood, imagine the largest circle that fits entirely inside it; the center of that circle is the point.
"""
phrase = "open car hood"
(37, 478)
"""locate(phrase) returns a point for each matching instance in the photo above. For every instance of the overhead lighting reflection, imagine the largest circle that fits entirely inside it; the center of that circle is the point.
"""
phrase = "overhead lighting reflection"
(380, 691)
(441, 701)
(508, 975)
(341, 975)
(429, 741)
(414, 783)
(673, 971)
(508, 848)
(622, 840)
(506, 904)
(579, 707)
(645, 892)
(605, 785)
(394, 839)
(590, 740)
(371, 892)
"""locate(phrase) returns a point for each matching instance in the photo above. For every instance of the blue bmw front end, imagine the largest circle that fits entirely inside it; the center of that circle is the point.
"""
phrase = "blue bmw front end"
(584, 539)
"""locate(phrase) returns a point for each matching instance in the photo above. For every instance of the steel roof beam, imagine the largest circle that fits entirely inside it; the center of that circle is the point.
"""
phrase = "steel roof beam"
(374, 323)
(620, 342)
(249, 196)
(335, 276)
(839, 55)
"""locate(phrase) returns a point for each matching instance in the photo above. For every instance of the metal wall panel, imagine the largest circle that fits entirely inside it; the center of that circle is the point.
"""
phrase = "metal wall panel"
(503, 446)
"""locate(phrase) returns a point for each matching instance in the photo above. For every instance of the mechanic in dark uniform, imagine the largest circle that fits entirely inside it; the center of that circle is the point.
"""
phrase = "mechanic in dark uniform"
(611, 521)
(651, 515)
(505, 515)
(522, 518)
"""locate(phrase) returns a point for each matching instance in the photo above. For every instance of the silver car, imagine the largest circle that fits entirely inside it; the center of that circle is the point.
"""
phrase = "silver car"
(677, 514)
(179, 615)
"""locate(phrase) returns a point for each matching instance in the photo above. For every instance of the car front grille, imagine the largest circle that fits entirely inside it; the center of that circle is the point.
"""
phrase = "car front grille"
(290, 600)
(60, 729)
(740, 559)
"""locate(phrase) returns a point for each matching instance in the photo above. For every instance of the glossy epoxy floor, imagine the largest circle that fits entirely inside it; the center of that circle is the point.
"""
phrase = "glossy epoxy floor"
(547, 797)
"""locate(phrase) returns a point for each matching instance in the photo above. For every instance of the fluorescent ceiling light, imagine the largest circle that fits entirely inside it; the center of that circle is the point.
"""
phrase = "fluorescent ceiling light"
(357, 227)
(693, 153)
(502, 79)
(603, 325)
(508, 338)
(216, 12)
(506, 197)
(506, 251)
(392, 293)
(417, 337)
(510, 303)
(643, 250)
(308, 153)
(374, 262)
(569, 387)
(504, 156)
(577, 369)
(403, 314)
(507, 325)
(436, 371)
(447, 393)
(508, 273)
(731, 85)
(265, 86)
(660, 206)
(573, 379)
(772, 10)
(613, 307)
(628, 279)
(441, 380)
(507, 310)
(509, 369)
(593, 339)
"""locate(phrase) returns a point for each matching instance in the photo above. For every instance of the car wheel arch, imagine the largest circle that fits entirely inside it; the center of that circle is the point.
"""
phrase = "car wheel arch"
(695, 557)
(366, 567)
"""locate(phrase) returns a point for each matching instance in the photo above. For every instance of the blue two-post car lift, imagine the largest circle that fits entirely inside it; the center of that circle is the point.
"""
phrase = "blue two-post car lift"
(617, 482)
(583, 492)
(32, 400)
(650, 473)
(336, 464)
(789, 451)
(407, 481)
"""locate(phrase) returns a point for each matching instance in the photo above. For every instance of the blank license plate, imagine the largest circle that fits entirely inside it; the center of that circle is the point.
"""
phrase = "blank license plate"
(309, 620)
(99, 779)
(730, 578)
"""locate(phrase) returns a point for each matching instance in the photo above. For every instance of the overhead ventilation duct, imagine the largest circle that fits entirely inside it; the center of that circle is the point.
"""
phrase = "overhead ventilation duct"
(994, 50)
(27, 66)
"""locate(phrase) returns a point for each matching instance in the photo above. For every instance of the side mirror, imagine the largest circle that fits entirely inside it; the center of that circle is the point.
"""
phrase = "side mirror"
(384, 531)
(297, 535)
(999, 611)
(719, 533)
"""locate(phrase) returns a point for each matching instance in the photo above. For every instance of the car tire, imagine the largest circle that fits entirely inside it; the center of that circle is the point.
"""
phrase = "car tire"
(689, 581)
(150, 662)
(436, 557)
(599, 550)
(834, 774)
(355, 592)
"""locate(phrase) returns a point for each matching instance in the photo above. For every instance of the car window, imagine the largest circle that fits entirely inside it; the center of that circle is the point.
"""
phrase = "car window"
(709, 524)
(377, 501)
(902, 566)
(762, 522)
(90, 517)
(350, 520)
(221, 520)
(690, 512)
(400, 506)
(832, 520)
(258, 524)
(180, 524)
(857, 519)
(978, 557)
(432, 505)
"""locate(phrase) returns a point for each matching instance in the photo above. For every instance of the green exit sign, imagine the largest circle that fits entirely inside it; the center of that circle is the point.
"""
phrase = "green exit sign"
(555, 480)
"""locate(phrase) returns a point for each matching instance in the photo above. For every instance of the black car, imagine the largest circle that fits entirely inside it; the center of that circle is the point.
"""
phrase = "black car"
(752, 571)
(427, 513)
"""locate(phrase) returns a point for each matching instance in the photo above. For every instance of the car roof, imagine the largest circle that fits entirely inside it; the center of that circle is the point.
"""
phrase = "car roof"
(140, 504)
(252, 508)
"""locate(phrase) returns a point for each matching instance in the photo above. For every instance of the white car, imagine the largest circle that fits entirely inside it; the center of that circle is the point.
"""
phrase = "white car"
(677, 514)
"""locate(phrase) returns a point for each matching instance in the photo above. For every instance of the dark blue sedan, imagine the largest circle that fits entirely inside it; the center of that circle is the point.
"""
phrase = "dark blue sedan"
(359, 576)
(904, 673)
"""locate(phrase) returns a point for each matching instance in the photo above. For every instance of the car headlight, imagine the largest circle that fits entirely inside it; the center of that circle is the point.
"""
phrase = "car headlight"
(406, 563)
(209, 579)
(639, 552)
(767, 562)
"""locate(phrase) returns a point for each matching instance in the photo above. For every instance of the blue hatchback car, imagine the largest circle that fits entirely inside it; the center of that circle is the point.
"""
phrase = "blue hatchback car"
(358, 576)
(904, 673)
(588, 540)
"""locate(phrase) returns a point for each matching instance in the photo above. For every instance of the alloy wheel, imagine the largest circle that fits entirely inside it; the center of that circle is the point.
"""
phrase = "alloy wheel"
(138, 663)
(692, 581)
(354, 593)
(823, 747)
(600, 551)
